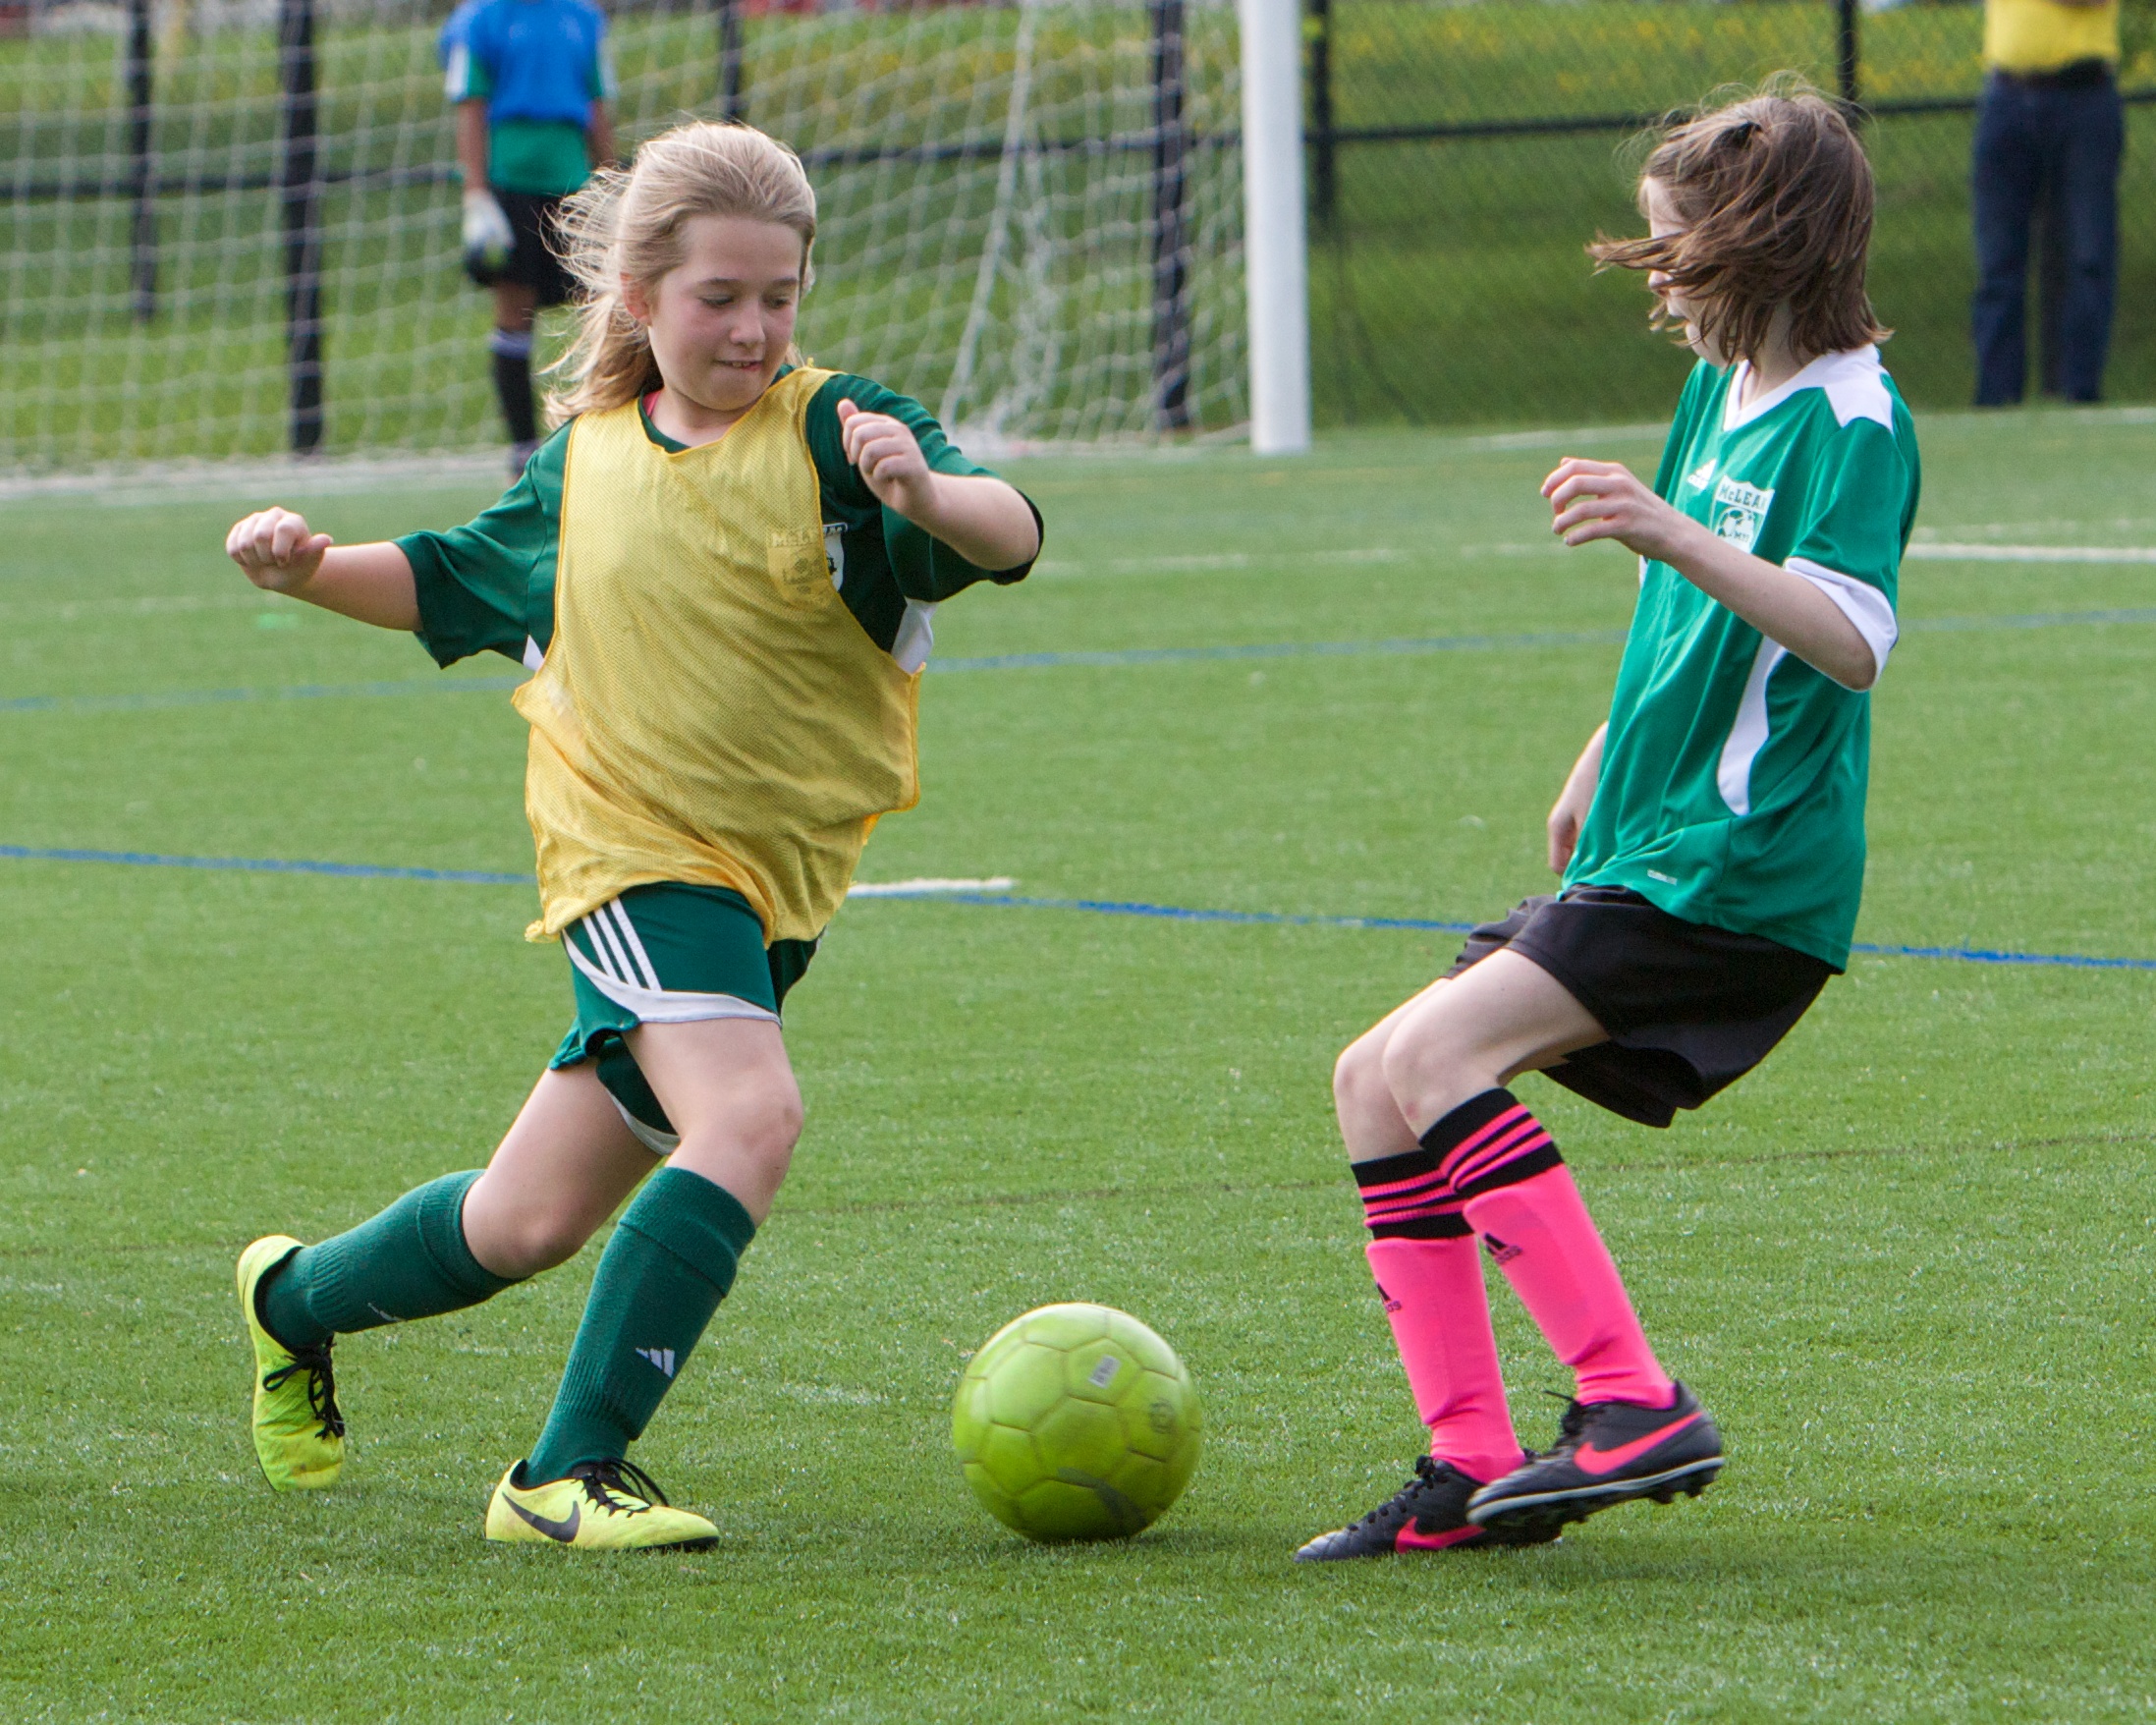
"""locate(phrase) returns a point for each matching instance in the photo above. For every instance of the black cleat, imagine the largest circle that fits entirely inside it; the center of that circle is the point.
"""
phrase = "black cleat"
(1607, 1453)
(1428, 1513)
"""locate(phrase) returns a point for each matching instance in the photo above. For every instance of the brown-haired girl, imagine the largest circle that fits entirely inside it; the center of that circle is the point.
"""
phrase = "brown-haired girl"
(722, 568)
(1710, 838)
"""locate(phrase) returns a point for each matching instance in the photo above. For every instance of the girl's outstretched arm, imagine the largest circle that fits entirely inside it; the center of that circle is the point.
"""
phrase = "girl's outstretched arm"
(282, 554)
(1605, 500)
(980, 518)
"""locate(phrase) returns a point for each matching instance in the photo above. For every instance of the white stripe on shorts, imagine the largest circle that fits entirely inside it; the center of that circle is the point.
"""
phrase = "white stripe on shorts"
(626, 931)
(606, 951)
(658, 1006)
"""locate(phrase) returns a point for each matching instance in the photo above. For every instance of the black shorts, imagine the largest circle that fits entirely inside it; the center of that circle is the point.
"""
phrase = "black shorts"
(1689, 1009)
(532, 260)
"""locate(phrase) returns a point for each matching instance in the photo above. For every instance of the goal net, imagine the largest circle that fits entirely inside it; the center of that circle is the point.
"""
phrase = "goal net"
(233, 224)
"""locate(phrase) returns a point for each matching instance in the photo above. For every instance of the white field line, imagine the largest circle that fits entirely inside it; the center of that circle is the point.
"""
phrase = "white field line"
(930, 883)
(1212, 562)
(161, 484)
(1563, 438)
(1939, 553)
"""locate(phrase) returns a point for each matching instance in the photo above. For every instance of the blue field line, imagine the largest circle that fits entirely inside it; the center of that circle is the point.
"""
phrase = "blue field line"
(1106, 658)
(2028, 620)
(1971, 955)
(1430, 925)
(263, 866)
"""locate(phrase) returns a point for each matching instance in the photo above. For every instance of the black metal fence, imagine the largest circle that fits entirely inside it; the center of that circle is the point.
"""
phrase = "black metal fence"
(1461, 155)
(274, 212)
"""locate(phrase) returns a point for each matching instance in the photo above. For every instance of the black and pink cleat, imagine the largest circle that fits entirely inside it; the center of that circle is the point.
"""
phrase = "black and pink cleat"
(1607, 1453)
(1428, 1513)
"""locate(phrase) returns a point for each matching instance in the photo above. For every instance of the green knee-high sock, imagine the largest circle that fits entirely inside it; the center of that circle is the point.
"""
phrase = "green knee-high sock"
(410, 1261)
(670, 1262)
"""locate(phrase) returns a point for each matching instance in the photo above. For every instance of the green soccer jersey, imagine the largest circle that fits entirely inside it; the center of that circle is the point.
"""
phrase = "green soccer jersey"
(1734, 774)
(490, 586)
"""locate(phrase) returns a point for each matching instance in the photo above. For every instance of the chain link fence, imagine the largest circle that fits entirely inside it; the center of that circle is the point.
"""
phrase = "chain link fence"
(1461, 154)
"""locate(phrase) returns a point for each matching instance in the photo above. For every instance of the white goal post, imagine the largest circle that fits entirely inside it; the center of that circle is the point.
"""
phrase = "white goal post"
(230, 224)
(1275, 243)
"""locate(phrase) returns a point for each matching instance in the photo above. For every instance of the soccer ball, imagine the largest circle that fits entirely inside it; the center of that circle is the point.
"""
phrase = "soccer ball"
(1076, 1423)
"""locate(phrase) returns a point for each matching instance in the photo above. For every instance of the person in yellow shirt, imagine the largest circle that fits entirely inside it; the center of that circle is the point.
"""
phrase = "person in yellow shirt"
(722, 568)
(2050, 133)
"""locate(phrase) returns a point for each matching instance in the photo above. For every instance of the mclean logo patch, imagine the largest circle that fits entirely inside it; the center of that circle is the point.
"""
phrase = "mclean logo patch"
(1740, 512)
(834, 553)
(662, 1357)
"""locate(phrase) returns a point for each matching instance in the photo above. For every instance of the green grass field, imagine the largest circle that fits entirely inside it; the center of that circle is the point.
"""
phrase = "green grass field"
(1908, 1262)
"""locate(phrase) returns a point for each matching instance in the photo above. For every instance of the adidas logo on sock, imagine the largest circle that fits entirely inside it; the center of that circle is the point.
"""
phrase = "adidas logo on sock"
(662, 1357)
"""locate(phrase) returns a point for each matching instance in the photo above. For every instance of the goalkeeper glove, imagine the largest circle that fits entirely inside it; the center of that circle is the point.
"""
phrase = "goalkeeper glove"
(488, 238)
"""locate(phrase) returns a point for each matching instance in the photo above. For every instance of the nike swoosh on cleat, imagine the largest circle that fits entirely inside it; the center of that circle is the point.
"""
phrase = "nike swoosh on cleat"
(565, 1531)
(1591, 1460)
(1408, 1538)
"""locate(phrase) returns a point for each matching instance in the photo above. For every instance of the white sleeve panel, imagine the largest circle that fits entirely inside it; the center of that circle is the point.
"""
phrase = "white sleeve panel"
(1864, 604)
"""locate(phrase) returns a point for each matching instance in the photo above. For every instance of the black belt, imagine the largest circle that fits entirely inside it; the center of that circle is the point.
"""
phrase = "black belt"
(2075, 75)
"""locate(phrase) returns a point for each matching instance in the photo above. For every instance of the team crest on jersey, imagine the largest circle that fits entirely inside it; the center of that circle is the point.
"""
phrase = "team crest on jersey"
(834, 553)
(1740, 510)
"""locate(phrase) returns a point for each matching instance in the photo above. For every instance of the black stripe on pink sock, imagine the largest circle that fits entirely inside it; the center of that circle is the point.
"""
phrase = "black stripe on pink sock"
(1407, 1197)
(1488, 1141)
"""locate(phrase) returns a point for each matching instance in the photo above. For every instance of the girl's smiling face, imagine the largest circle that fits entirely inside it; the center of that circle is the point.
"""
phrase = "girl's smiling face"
(721, 321)
(1662, 222)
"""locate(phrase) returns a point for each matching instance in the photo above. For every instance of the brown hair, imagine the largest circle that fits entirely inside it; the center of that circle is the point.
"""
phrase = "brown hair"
(1776, 199)
(629, 224)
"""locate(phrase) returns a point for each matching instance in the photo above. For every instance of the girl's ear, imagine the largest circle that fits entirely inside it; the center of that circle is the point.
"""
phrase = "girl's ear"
(634, 301)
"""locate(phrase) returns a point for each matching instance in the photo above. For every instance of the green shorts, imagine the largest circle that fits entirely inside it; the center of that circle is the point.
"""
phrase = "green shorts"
(667, 954)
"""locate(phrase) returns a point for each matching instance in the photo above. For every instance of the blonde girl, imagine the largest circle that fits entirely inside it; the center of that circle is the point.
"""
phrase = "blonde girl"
(722, 568)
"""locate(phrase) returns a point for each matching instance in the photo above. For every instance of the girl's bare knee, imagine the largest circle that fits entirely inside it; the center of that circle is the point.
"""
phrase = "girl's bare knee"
(520, 1233)
(1359, 1072)
(537, 1239)
(1413, 1060)
(554, 1239)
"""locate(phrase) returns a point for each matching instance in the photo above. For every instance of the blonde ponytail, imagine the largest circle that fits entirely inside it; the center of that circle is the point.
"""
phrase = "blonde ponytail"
(628, 223)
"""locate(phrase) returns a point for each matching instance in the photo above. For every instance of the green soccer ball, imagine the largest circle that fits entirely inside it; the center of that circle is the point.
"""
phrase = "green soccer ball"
(1076, 1423)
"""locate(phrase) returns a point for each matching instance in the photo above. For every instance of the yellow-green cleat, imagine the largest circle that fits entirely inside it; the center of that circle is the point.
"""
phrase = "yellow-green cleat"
(602, 1506)
(299, 1433)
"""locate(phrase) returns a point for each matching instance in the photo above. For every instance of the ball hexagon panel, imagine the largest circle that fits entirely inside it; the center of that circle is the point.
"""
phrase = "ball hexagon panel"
(1080, 1437)
(1008, 1458)
(1159, 1417)
(1024, 1384)
(1101, 1371)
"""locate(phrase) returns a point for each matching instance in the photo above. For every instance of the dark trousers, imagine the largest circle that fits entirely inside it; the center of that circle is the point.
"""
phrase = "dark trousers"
(2058, 149)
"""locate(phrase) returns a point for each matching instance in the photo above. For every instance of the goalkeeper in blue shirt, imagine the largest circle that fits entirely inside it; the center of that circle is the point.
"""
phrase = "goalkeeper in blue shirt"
(530, 81)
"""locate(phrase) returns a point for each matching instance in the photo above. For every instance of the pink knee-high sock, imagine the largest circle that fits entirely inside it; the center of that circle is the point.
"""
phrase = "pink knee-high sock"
(1517, 1195)
(1440, 1323)
(1423, 1253)
(1547, 1245)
